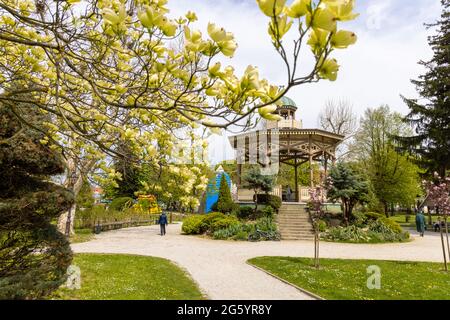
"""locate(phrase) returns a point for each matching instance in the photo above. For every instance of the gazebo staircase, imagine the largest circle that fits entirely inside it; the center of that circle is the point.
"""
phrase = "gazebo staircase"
(294, 222)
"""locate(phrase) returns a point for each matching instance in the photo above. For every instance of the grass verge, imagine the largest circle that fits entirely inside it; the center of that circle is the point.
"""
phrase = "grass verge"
(347, 279)
(129, 277)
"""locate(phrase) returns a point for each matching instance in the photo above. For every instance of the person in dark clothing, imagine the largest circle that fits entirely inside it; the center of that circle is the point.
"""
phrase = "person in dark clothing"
(437, 226)
(163, 223)
(420, 223)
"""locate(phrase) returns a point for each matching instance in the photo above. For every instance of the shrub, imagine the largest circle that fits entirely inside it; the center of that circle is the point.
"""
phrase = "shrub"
(245, 212)
(209, 218)
(350, 233)
(373, 215)
(223, 223)
(322, 226)
(121, 203)
(225, 202)
(268, 211)
(266, 224)
(194, 224)
(264, 230)
(377, 231)
(359, 219)
(385, 225)
(270, 200)
(391, 224)
(241, 235)
(228, 232)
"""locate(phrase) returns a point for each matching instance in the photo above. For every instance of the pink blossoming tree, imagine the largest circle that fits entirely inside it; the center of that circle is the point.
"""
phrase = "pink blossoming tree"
(438, 193)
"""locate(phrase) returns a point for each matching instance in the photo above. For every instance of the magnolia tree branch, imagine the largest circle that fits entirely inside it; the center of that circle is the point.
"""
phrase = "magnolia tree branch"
(111, 68)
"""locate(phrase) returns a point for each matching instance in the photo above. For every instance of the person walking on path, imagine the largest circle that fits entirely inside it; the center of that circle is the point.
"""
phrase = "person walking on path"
(420, 223)
(163, 223)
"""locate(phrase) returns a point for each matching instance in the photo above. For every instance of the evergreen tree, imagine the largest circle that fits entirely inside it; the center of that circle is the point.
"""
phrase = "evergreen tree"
(256, 181)
(34, 256)
(348, 187)
(225, 202)
(430, 115)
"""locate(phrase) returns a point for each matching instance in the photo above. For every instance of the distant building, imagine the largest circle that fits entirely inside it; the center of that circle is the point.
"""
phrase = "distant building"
(97, 194)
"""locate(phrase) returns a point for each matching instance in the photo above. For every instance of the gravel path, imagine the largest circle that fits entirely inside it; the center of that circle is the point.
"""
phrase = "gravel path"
(220, 269)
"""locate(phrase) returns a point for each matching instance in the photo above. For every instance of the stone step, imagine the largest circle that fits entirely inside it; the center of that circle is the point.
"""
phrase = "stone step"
(293, 218)
(298, 238)
(297, 231)
(293, 213)
(303, 222)
(293, 221)
(297, 224)
(297, 235)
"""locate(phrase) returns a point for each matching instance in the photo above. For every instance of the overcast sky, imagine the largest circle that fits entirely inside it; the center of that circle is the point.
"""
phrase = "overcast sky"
(392, 38)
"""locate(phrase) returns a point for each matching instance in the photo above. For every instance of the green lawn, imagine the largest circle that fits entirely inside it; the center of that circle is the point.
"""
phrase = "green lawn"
(126, 277)
(401, 219)
(82, 235)
(347, 279)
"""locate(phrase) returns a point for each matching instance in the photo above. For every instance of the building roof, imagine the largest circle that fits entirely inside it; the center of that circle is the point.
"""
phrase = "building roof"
(287, 103)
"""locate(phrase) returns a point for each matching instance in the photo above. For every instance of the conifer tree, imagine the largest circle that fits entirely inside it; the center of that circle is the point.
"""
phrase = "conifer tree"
(225, 202)
(430, 115)
(34, 256)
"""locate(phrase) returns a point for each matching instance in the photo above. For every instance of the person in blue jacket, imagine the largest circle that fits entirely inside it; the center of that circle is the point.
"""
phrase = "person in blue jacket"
(163, 223)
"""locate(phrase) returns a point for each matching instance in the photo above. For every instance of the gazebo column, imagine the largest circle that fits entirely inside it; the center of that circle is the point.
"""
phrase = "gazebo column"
(239, 173)
(311, 172)
(297, 198)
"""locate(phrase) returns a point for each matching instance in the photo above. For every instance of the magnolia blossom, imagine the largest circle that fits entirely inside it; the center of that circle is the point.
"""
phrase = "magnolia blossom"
(439, 193)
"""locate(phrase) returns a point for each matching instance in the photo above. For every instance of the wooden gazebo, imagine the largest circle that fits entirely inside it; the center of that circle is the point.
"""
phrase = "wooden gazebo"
(287, 142)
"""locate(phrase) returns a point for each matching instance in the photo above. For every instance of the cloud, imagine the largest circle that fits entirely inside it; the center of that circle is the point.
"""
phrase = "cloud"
(392, 38)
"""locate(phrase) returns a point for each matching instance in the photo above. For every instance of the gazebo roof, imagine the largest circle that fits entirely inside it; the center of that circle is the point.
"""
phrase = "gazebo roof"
(286, 103)
(285, 132)
(292, 142)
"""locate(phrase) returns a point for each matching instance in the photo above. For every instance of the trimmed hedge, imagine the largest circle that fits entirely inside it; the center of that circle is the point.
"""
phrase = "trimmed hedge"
(193, 224)
(245, 212)
(207, 223)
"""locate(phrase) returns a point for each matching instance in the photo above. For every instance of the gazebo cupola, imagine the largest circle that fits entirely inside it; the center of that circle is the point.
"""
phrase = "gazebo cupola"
(286, 110)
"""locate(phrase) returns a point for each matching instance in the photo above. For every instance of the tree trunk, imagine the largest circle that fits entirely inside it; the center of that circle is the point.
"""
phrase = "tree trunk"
(386, 211)
(74, 182)
(350, 206)
(66, 225)
(316, 246)
(443, 250)
(446, 236)
(345, 207)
